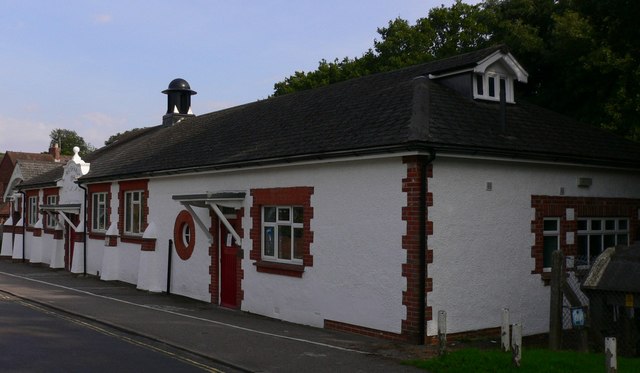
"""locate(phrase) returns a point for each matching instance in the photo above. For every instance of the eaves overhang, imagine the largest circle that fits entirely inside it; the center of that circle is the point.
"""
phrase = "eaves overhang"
(419, 146)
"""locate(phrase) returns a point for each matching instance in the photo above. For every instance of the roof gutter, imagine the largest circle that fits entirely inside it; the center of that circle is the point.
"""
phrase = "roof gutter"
(413, 146)
(417, 146)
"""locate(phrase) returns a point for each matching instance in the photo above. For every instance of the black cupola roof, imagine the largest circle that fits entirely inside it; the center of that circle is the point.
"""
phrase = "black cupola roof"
(179, 95)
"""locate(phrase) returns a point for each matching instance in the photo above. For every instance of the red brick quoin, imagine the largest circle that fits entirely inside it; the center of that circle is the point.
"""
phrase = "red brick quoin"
(410, 329)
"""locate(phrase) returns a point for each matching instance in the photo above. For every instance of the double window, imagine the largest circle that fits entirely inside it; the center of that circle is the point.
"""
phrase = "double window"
(597, 234)
(32, 215)
(134, 212)
(99, 216)
(50, 221)
(551, 241)
(488, 86)
(283, 230)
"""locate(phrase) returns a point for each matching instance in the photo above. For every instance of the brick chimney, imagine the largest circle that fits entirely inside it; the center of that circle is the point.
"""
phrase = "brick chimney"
(55, 152)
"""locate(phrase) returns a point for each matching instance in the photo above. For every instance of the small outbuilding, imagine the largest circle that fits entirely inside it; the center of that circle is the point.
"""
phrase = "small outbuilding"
(613, 288)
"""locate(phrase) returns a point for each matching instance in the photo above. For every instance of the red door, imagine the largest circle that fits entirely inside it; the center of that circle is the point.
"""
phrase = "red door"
(69, 242)
(228, 268)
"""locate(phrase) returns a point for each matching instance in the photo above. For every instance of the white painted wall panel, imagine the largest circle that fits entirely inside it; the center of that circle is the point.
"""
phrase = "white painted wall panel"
(356, 275)
(482, 239)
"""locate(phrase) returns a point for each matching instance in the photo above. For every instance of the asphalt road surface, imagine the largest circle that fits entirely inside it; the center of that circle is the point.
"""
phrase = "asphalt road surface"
(36, 339)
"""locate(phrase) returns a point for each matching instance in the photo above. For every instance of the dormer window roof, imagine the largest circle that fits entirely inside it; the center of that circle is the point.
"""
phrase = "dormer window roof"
(490, 76)
(495, 74)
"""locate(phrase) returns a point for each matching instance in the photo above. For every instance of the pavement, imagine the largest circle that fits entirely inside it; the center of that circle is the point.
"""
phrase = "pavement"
(236, 339)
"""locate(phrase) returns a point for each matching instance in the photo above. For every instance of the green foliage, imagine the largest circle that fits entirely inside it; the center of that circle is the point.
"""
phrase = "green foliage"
(67, 140)
(583, 57)
(538, 361)
(118, 136)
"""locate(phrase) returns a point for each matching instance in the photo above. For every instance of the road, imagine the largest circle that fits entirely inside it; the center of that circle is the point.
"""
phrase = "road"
(37, 339)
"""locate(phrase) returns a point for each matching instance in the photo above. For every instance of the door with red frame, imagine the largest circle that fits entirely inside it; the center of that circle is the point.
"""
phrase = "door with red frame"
(69, 243)
(228, 268)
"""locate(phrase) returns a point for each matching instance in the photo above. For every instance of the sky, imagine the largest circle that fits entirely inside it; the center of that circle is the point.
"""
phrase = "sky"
(98, 66)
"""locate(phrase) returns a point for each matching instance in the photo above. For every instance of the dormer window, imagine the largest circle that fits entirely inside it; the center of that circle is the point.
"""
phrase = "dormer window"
(487, 86)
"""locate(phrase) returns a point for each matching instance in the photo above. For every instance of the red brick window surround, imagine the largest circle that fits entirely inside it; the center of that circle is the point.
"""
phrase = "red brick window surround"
(132, 205)
(99, 206)
(576, 216)
(50, 197)
(31, 216)
(290, 199)
(184, 234)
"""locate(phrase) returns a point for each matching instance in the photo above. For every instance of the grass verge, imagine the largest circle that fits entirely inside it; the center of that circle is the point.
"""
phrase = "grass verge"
(534, 360)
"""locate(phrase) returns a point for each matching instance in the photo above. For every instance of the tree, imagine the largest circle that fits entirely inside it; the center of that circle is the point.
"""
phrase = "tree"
(118, 136)
(583, 57)
(67, 140)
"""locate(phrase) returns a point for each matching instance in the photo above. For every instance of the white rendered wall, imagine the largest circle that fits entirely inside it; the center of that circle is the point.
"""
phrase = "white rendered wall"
(482, 239)
(357, 243)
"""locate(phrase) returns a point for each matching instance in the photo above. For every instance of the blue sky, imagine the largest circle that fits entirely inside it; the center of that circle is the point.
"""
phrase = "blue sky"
(98, 66)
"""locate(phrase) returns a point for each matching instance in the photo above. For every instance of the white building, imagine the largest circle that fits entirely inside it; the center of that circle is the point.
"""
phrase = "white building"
(366, 206)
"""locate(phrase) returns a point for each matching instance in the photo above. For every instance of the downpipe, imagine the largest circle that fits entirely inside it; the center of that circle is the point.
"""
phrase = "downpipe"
(24, 225)
(86, 242)
(169, 267)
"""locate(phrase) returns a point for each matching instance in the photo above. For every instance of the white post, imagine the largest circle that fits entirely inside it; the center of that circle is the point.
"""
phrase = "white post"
(610, 355)
(516, 344)
(442, 332)
(505, 330)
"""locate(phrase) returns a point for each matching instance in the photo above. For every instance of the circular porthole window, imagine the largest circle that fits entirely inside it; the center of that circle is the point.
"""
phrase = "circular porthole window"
(184, 235)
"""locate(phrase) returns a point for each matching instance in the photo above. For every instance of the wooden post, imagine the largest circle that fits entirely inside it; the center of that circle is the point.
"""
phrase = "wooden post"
(442, 332)
(555, 311)
(610, 355)
(504, 333)
(516, 351)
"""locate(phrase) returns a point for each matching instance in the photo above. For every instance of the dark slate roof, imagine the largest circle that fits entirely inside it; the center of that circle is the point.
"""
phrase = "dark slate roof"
(47, 177)
(31, 169)
(620, 273)
(375, 113)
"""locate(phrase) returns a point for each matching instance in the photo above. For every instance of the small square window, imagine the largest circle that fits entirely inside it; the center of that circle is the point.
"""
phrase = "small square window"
(551, 225)
(582, 225)
(284, 214)
(596, 225)
(610, 224)
(270, 214)
(622, 224)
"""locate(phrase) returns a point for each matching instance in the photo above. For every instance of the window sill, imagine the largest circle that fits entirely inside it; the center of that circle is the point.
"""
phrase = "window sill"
(283, 269)
(97, 235)
(132, 239)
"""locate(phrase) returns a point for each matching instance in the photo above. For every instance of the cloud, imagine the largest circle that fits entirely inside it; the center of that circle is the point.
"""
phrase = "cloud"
(96, 127)
(102, 19)
(24, 136)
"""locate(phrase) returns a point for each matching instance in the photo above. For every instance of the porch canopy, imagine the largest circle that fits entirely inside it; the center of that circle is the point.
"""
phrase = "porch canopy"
(62, 210)
(216, 202)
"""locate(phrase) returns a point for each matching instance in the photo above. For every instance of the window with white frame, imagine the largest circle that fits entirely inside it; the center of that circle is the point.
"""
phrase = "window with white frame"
(597, 234)
(282, 238)
(99, 212)
(551, 241)
(133, 212)
(50, 221)
(487, 86)
(32, 204)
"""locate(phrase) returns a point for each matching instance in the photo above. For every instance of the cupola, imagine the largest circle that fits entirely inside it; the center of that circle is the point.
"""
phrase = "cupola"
(178, 101)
